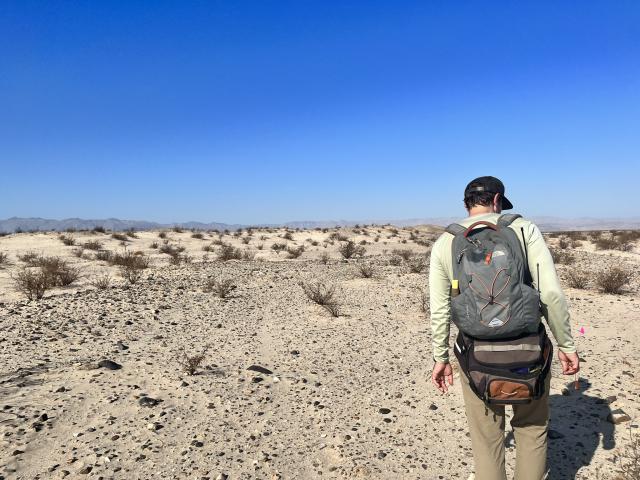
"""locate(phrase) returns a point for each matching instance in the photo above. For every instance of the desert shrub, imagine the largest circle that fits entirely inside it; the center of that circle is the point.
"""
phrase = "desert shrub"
(338, 237)
(395, 260)
(4, 260)
(287, 236)
(131, 273)
(260, 246)
(323, 295)
(99, 229)
(30, 258)
(366, 270)
(153, 245)
(177, 229)
(131, 233)
(561, 257)
(293, 252)
(191, 363)
(101, 282)
(564, 243)
(31, 282)
(162, 235)
(248, 255)
(197, 235)
(67, 240)
(278, 247)
(208, 248)
(119, 236)
(92, 245)
(246, 240)
(613, 279)
(229, 252)
(577, 278)
(605, 243)
(136, 260)
(629, 466)
(171, 250)
(424, 302)
(104, 256)
(403, 253)
(222, 287)
(77, 252)
(630, 236)
(179, 259)
(417, 264)
(66, 275)
(349, 249)
(324, 258)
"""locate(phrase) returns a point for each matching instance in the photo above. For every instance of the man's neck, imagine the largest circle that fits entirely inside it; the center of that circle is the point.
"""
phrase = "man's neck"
(473, 211)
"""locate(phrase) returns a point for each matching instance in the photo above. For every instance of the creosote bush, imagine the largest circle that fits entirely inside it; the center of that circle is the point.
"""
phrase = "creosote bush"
(67, 240)
(31, 282)
(324, 258)
(417, 264)
(101, 282)
(403, 253)
(221, 287)
(577, 278)
(4, 260)
(349, 249)
(119, 236)
(366, 270)
(191, 363)
(323, 295)
(561, 257)
(293, 252)
(229, 252)
(92, 245)
(613, 279)
(424, 302)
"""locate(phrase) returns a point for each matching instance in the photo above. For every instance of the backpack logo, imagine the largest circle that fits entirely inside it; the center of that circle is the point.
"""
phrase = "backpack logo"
(495, 323)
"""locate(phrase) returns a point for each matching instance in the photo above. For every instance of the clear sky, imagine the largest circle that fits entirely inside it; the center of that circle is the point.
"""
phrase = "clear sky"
(270, 111)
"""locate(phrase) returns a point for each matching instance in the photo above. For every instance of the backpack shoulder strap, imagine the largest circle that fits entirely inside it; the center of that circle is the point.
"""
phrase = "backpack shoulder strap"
(507, 219)
(455, 229)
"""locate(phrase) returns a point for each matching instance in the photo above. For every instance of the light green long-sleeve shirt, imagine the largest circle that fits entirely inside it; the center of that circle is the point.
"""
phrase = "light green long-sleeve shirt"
(554, 304)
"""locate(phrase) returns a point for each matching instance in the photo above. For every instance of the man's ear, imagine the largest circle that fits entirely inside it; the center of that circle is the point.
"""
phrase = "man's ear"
(497, 203)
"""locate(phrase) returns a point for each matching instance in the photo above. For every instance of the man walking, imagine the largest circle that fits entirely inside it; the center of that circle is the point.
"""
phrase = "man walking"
(485, 395)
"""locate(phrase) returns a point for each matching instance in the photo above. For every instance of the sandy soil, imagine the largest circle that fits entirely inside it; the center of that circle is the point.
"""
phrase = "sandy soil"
(285, 390)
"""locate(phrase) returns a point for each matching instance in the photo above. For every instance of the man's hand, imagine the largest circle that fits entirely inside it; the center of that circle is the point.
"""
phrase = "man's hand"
(570, 362)
(441, 375)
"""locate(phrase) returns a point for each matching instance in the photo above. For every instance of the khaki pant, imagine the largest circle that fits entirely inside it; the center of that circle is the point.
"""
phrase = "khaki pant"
(486, 427)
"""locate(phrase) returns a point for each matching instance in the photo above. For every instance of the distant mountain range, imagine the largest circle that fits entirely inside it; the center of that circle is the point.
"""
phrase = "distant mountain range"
(547, 224)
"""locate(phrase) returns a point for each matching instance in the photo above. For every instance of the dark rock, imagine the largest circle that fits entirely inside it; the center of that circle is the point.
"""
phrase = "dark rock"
(148, 402)
(384, 411)
(17, 452)
(109, 365)
(85, 470)
(433, 407)
(260, 369)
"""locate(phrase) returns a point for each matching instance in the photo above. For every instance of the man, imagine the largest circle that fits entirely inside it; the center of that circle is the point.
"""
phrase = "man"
(484, 200)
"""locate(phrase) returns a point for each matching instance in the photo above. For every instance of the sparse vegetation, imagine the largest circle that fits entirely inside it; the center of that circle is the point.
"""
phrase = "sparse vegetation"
(349, 249)
(197, 235)
(293, 252)
(613, 279)
(119, 236)
(577, 278)
(417, 264)
(229, 252)
(191, 363)
(424, 302)
(403, 253)
(101, 282)
(323, 295)
(366, 270)
(67, 240)
(32, 283)
(99, 229)
(92, 245)
(278, 247)
(4, 260)
(561, 257)
(222, 287)
(324, 258)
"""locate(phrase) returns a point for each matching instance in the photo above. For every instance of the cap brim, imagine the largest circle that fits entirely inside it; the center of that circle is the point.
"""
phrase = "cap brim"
(506, 204)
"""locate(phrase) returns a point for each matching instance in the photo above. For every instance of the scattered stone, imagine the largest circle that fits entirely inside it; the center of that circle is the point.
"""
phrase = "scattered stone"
(109, 365)
(17, 452)
(433, 407)
(85, 470)
(259, 369)
(384, 411)
(618, 416)
(148, 402)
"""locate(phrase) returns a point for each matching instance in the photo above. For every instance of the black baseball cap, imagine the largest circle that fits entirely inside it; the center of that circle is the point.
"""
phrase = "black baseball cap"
(489, 184)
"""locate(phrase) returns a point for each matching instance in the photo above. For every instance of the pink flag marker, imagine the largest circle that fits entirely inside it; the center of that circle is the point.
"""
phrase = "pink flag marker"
(581, 330)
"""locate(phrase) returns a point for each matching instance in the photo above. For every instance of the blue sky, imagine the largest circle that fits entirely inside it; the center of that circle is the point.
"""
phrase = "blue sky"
(271, 111)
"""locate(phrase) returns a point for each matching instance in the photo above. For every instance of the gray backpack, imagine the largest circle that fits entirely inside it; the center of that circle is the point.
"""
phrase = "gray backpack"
(496, 300)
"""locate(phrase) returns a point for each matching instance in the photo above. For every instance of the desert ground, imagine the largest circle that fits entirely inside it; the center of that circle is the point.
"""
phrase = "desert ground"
(95, 380)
